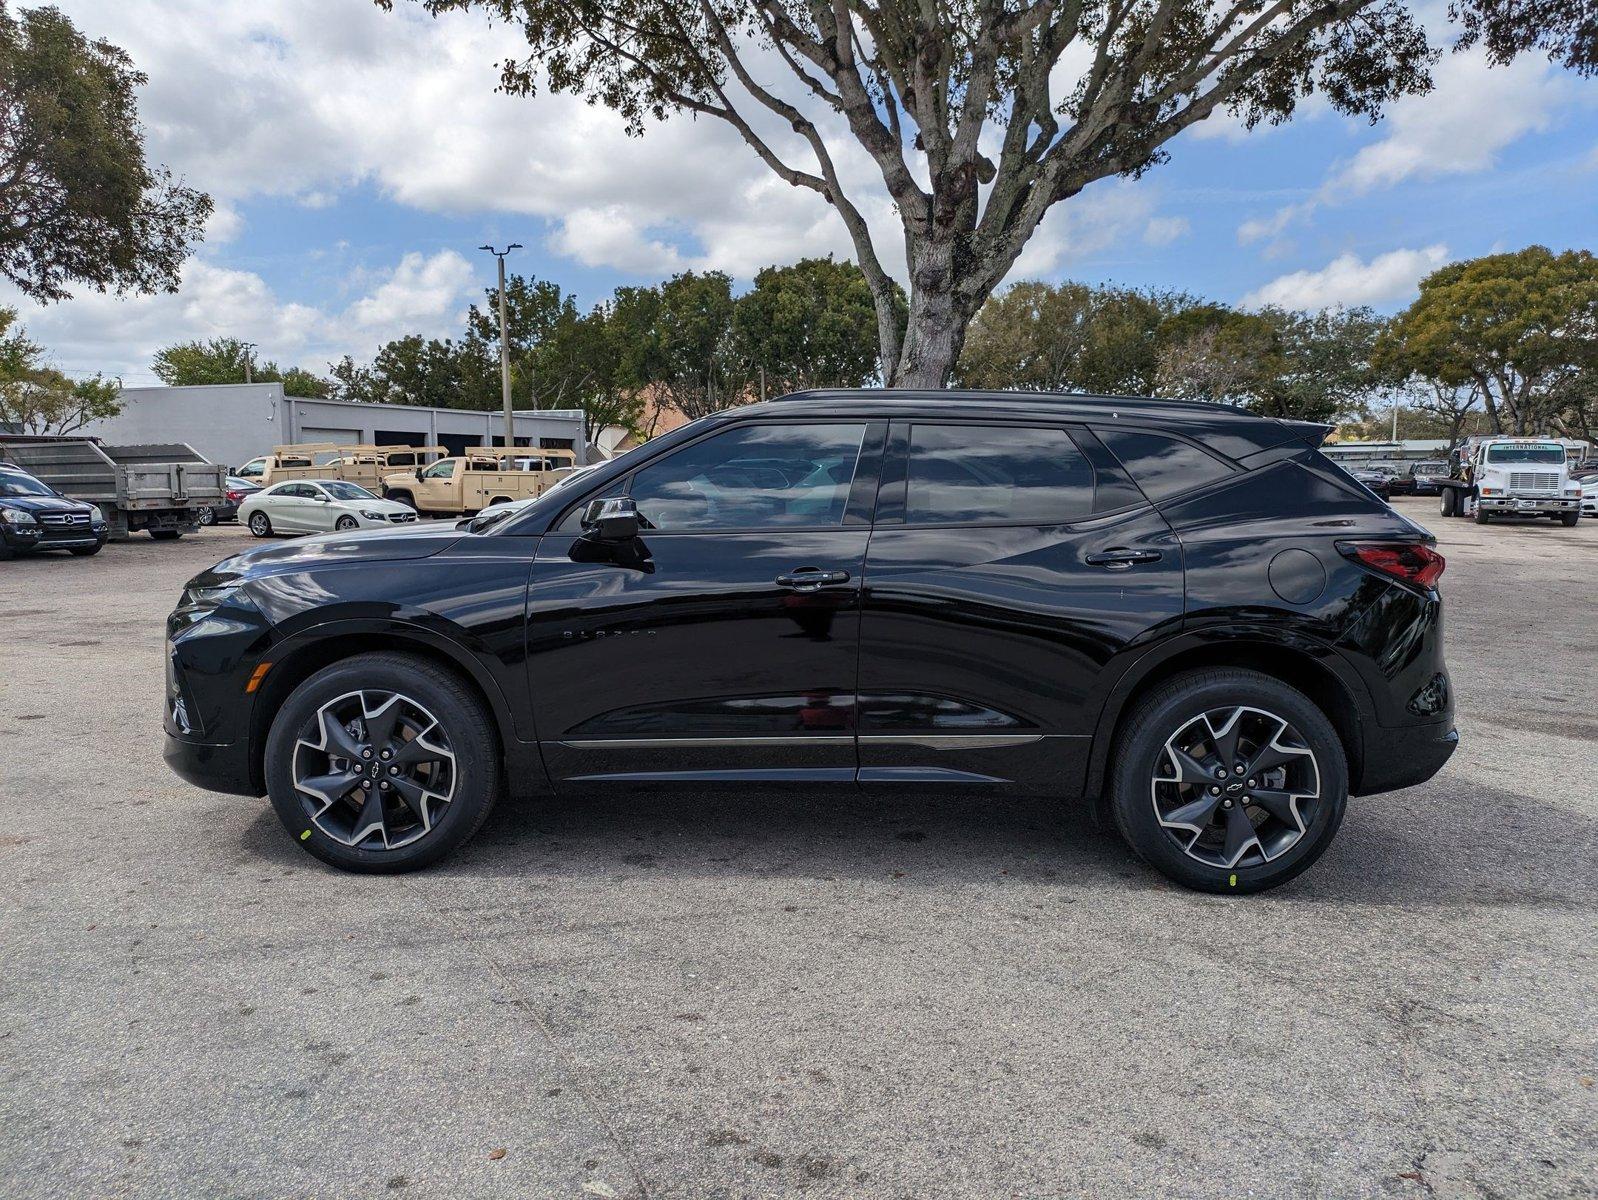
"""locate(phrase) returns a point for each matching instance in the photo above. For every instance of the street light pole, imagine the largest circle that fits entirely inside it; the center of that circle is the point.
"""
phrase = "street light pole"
(247, 347)
(504, 344)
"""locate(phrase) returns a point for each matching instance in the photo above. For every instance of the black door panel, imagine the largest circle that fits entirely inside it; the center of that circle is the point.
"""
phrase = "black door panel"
(698, 661)
(985, 630)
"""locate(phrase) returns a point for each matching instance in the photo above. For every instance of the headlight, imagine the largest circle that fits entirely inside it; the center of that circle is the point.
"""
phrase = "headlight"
(374, 516)
(95, 515)
(17, 516)
(204, 598)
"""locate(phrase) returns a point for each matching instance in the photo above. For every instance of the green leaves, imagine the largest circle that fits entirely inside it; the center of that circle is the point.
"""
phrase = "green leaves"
(36, 398)
(81, 204)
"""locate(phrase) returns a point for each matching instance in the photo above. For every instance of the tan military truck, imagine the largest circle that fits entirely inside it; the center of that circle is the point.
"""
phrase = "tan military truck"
(364, 465)
(483, 475)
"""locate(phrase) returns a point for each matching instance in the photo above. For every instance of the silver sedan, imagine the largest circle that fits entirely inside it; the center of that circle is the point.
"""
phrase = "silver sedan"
(320, 506)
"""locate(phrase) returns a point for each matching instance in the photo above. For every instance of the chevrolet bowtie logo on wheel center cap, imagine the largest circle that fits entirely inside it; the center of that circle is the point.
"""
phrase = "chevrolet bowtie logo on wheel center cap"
(1234, 787)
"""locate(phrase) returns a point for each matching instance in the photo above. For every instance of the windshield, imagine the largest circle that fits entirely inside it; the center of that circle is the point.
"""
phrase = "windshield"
(1550, 455)
(341, 489)
(22, 485)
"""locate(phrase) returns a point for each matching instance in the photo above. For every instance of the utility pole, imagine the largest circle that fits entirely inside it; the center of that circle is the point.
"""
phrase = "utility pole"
(504, 343)
(248, 346)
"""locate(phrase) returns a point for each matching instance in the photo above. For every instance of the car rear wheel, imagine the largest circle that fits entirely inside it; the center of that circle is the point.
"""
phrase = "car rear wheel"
(1228, 781)
(206, 515)
(382, 763)
(260, 524)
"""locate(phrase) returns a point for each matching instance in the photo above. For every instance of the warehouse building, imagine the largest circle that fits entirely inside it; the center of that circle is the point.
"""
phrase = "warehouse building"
(233, 423)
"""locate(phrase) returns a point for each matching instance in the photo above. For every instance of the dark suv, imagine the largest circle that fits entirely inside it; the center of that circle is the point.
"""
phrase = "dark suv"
(34, 516)
(1183, 612)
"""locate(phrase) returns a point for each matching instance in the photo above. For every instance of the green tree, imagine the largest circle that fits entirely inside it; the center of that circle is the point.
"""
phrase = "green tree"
(1518, 327)
(1323, 368)
(80, 203)
(978, 117)
(578, 364)
(534, 309)
(1068, 337)
(1214, 353)
(691, 359)
(35, 398)
(812, 324)
(229, 360)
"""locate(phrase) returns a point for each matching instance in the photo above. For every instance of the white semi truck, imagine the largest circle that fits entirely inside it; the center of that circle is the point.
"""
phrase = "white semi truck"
(1511, 477)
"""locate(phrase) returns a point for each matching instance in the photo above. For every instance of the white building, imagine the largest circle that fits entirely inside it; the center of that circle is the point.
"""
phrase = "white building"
(233, 423)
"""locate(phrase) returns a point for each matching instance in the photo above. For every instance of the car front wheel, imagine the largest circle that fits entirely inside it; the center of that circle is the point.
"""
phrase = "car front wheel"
(382, 763)
(260, 524)
(1228, 781)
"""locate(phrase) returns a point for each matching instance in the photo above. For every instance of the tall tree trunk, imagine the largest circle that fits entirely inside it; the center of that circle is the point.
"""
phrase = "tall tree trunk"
(940, 313)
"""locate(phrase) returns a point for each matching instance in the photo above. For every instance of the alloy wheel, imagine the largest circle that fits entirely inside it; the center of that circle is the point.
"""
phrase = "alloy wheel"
(1236, 786)
(206, 515)
(259, 525)
(374, 769)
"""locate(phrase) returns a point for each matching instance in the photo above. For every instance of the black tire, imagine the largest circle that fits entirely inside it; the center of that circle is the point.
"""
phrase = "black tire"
(1140, 758)
(260, 524)
(6, 552)
(166, 535)
(1482, 516)
(402, 496)
(465, 727)
(345, 524)
(205, 514)
(87, 551)
(1447, 504)
(1568, 520)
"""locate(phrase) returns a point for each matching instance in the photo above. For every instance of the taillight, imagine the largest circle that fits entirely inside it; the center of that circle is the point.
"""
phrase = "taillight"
(1410, 562)
(235, 496)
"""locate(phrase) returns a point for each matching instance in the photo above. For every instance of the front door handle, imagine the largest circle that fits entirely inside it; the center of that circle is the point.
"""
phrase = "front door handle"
(811, 579)
(1119, 558)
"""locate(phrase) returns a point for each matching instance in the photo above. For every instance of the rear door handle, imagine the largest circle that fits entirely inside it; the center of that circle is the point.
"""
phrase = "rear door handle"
(811, 579)
(1119, 558)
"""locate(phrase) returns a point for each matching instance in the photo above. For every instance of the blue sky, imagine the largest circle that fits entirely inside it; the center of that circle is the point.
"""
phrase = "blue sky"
(358, 159)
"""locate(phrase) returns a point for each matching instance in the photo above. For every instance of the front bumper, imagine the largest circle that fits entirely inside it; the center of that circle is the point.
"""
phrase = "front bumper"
(215, 768)
(1529, 504)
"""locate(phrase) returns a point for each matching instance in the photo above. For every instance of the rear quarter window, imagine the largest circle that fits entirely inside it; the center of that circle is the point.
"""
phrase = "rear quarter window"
(1161, 465)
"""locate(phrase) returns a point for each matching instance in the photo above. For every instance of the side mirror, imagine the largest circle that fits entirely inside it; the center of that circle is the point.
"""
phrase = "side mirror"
(612, 519)
(418, 472)
(323, 499)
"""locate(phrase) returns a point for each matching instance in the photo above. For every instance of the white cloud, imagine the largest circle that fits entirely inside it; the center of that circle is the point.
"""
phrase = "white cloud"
(1162, 231)
(1471, 116)
(119, 335)
(1347, 280)
(1474, 113)
(1106, 214)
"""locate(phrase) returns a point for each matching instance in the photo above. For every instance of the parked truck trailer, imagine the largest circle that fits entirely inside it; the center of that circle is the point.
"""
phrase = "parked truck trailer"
(158, 488)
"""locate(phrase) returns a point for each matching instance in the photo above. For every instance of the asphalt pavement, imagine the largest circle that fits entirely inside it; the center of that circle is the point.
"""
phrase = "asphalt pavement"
(757, 995)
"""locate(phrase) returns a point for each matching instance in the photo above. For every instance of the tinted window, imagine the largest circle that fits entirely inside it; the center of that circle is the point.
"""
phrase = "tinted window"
(756, 477)
(18, 484)
(1160, 465)
(992, 473)
(341, 489)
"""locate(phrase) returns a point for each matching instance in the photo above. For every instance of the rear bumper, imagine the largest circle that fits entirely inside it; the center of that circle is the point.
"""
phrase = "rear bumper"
(1403, 757)
(215, 768)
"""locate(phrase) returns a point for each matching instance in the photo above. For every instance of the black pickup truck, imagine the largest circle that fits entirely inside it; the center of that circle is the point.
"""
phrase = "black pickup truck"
(34, 516)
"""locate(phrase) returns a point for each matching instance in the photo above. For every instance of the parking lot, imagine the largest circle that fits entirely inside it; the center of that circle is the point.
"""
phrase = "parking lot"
(726, 996)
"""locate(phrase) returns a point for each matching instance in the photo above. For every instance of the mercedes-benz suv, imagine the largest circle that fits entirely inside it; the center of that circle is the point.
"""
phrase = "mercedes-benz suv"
(1182, 616)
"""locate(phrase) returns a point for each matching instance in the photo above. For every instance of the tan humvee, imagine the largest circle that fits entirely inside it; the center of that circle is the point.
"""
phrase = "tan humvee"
(483, 475)
(365, 465)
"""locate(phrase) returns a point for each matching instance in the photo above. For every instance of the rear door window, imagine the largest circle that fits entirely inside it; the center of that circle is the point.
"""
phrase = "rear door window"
(995, 474)
(1161, 465)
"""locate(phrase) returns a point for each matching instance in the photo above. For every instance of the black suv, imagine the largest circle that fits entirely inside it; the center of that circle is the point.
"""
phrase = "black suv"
(34, 516)
(1183, 612)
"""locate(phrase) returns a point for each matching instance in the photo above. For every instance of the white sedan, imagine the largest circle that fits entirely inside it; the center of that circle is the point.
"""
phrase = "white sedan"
(1589, 497)
(319, 506)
